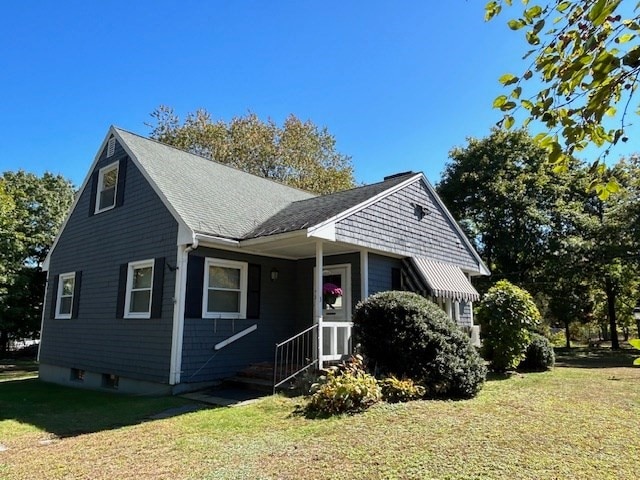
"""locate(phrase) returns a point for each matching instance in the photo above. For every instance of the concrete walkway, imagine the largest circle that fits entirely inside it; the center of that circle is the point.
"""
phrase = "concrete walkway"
(226, 396)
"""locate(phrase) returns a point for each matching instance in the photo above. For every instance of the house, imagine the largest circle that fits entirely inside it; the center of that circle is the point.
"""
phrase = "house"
(172, 271)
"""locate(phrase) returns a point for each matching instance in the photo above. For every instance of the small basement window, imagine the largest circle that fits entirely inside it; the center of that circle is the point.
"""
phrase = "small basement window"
(107, 185)
(64, 304)
(109, 380)
(77, 375)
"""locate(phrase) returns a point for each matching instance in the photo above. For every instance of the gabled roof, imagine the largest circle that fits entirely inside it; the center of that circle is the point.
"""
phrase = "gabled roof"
(210, 197)
(313, 211)
(214, 200)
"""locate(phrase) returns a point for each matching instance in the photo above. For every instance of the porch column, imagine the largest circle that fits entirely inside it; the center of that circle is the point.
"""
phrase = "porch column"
(318, 299)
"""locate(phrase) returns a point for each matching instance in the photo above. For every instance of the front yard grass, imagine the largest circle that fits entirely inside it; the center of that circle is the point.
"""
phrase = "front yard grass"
(573, 422)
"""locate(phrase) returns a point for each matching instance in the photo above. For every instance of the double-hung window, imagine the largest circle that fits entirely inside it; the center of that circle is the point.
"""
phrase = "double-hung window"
(107, 186)
(225, 289)
(139, 289)
(66, 287)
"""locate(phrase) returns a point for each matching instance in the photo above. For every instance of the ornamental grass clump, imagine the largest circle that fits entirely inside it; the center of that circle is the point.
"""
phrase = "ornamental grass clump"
(406, 335)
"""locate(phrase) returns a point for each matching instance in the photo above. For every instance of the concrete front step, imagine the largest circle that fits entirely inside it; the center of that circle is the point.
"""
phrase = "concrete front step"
(250, 383)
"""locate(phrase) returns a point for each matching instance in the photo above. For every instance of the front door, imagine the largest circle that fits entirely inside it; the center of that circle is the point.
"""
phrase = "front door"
(336, 312)
(336, 307)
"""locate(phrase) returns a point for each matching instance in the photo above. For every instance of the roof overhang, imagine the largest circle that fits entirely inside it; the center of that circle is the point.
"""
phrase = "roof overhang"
(440, 279)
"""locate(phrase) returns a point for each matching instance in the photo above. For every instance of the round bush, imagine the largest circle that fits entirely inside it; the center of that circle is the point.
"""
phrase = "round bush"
(406, 335)
(507, 315)
(539, 355)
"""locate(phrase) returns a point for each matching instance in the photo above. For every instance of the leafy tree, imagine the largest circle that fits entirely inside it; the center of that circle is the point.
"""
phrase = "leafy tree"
(505, 198)
(297, 153)
(31, 212)
(586, 57)
(508, 317)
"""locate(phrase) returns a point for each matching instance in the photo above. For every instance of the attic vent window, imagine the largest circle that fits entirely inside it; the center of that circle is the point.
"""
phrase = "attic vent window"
(111, 147)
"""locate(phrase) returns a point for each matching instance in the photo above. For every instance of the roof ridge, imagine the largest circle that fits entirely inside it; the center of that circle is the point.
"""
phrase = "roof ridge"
(183, 150)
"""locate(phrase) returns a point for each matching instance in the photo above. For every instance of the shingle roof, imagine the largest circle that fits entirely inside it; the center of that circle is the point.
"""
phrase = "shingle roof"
(211, 198)
(307, 213)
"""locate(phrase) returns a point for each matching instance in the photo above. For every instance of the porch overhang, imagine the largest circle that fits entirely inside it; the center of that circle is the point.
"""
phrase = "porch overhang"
(439, 279)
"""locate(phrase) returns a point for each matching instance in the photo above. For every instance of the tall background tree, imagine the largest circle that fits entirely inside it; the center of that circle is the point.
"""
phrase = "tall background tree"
(544, 231)
(299, 154)
(584, 68)
(32, 208)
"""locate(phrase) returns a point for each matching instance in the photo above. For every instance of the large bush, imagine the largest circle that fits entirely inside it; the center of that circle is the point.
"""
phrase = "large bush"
(507, 315)
(538, 356)
(404, 334)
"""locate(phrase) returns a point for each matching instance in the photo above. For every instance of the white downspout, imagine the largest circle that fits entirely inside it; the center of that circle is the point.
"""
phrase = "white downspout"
(178, 311)
(318, 299)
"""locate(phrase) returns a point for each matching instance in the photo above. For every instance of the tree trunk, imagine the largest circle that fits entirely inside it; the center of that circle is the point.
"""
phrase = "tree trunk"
(611, 309)
(4, 343)
(567, 333)
(638, 327)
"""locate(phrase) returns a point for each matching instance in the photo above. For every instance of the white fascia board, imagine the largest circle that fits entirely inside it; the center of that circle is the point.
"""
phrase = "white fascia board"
(212, 240)
(326, 232)
(342, 215)
(45, 264)
(272, 238)
(482, 268)
(185, 235)
(182, 225)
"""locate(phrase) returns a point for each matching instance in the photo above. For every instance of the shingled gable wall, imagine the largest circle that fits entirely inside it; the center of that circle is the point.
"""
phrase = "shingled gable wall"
(392, 225)
(98, 342)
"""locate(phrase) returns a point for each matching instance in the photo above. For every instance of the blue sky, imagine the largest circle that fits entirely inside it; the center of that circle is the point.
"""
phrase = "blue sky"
(397, 83)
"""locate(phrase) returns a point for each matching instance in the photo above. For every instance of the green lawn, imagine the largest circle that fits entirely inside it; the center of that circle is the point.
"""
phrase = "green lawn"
(579, 421)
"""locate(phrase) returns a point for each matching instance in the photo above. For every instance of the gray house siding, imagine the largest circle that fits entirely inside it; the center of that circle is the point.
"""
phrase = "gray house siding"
(393, 224)
(381, 272)
(276, 319)
(465, 319)
(140, 228)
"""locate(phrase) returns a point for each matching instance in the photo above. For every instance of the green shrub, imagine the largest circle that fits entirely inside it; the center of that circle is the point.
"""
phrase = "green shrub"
(507, 315)
(344, 389)
(406, 335)
(539, 355)
(400, 390)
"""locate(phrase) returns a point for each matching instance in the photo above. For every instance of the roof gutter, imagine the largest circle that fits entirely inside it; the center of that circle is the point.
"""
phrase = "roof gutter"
(213, 240)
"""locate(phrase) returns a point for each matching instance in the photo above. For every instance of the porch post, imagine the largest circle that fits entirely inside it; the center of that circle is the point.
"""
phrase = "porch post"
(318, 297)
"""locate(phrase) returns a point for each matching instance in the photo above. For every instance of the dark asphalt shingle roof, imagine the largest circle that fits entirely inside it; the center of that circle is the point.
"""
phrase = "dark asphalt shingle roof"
(215, 199)
(307, 213)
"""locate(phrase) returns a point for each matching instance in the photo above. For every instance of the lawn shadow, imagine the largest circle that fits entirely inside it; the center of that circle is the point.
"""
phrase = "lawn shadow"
(67, 412)
(595, 357)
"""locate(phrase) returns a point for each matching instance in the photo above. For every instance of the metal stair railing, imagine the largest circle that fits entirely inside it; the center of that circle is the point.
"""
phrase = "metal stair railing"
(294, 355)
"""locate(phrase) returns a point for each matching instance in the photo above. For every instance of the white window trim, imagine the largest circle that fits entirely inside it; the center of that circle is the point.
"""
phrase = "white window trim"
(127, 301)
(112, 166)
(61, 278)
(218, 262)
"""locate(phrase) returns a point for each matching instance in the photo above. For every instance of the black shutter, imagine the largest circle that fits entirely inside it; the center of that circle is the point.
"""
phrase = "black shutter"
(76, 295)
(122, 174)
(396, 282)
(122, 290)
(54, 296)
(253, 291)
(158, 284)
(193, 294)
(94, 192)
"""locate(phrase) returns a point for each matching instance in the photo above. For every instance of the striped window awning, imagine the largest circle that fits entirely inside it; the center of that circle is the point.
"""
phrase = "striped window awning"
(438, 279)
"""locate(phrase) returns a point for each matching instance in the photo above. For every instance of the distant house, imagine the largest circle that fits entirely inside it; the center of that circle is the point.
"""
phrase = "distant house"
(172, 271)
